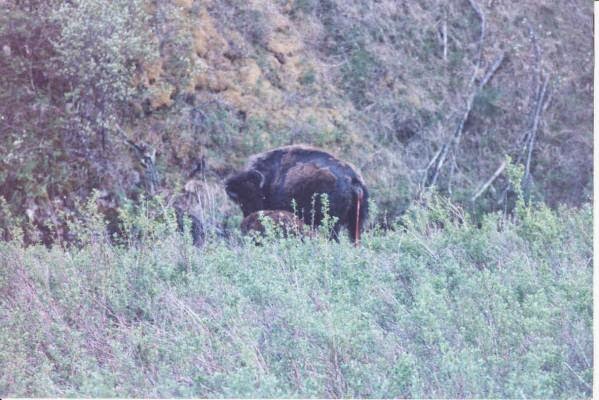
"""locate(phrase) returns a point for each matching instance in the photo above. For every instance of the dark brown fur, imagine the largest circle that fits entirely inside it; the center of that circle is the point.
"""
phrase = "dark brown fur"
(285, 221)
(276, 179)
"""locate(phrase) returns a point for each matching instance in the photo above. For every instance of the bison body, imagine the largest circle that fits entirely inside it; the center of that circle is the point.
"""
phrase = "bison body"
(293, 178)
(285, 222)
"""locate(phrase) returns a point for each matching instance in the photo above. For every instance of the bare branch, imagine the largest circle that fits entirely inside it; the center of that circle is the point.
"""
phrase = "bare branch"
(540, 103)
(453, 166)
(536, 50)
(443, 153)
(455, 139)
(535, 124)
(147, 157)
(430, 178)
(488, 183)
(494, 67)
(535, 90)
(429, 165)
(444, 33)
(578, 376)
(481, 39)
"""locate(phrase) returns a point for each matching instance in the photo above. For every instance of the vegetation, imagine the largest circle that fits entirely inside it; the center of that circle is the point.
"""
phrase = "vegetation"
(132, 97)
(470, 120)
(436, 308)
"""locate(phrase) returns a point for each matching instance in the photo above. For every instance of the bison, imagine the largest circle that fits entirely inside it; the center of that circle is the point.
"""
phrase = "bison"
(286, 222)
(293, 178)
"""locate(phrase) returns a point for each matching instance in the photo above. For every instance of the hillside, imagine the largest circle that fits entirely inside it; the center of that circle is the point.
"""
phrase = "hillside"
(131, 98)
(123, 271)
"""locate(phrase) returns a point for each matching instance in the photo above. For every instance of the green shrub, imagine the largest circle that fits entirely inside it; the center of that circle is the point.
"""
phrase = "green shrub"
(436, 308)
(101, 45)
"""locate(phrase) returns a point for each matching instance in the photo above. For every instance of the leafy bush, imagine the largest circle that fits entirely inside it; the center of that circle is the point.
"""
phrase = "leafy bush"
(101, 46)
(78, 61)
(436, 308)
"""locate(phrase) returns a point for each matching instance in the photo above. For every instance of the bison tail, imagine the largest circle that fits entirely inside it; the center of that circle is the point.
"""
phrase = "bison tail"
(358, 212)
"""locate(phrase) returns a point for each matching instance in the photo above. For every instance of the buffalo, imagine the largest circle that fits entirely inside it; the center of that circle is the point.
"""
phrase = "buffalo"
(295, 178)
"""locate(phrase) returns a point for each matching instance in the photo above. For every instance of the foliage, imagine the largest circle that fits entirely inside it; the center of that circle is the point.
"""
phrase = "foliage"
(106, 108)
(380, 84)
(436, 308)
(99, 50)
(68, 84)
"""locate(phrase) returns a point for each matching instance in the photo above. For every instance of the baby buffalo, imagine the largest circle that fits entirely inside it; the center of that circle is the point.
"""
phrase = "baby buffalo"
(293, 178)
(285, 222)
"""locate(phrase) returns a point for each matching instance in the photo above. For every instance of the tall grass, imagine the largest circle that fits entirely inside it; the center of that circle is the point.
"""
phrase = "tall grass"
(438, 307)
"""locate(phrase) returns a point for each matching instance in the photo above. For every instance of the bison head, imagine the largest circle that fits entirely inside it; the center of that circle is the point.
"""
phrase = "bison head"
(245, 189)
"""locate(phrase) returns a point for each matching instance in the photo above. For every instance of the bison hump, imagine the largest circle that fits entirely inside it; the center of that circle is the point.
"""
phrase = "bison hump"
(306, 179)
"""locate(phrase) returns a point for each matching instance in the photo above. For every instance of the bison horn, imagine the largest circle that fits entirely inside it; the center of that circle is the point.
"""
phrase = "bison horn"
(234, 196)
(260, 176)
